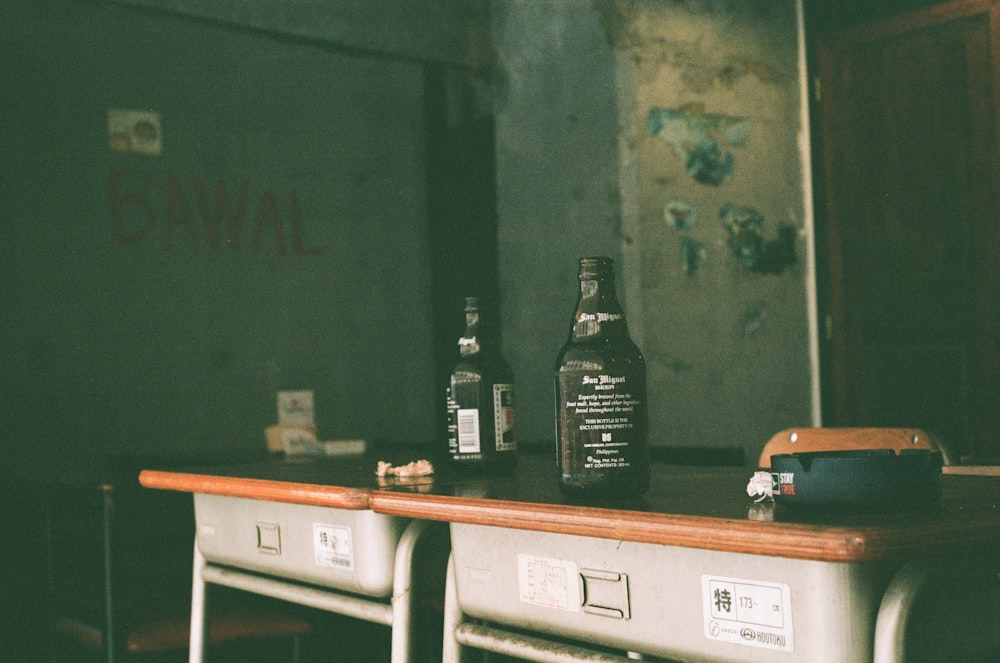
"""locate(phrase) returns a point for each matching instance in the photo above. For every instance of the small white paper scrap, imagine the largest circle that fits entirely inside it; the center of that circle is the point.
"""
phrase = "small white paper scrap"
(761, 486)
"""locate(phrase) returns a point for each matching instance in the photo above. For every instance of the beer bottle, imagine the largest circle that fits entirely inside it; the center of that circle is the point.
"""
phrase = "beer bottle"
(600, 386)
(481, 433)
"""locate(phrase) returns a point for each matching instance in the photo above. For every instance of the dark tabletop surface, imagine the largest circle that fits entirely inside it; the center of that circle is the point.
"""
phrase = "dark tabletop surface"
(706, 507)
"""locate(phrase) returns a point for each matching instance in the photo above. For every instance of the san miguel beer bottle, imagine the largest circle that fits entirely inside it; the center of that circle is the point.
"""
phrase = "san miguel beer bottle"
(600, 386)
(481, 431)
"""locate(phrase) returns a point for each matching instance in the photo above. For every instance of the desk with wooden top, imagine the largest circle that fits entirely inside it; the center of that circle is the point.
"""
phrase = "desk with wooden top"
(302, 531)
(695, 570)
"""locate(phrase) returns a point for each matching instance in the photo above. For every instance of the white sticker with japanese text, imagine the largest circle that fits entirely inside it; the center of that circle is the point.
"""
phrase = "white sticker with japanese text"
(553, 583)
(747, 612)
(333, 546)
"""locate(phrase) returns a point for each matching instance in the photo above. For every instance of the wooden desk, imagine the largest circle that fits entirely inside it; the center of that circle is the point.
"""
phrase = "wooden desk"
(844, 582)
(341, 483)
(708, 508)
(302, 531)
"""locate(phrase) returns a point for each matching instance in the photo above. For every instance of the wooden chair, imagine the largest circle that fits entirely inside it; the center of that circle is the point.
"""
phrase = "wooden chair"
(801, 440)
(119, 575)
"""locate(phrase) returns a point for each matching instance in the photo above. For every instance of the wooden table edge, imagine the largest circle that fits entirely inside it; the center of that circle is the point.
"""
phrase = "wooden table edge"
(308, 494)
(779, 539)
(972, 470)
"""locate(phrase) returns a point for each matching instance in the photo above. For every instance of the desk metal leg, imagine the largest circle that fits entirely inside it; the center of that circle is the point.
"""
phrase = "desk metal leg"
(964, 597)
(894, 612)
(529, 647)
(313, 597)
(402, 591)
(196, 651)
(451, 651)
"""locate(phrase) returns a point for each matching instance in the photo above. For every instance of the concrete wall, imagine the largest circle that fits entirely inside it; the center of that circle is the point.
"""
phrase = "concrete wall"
(640, 129)
(440, 31)
(131, 330)
(727, 341)
(558, 195)
(130, 325)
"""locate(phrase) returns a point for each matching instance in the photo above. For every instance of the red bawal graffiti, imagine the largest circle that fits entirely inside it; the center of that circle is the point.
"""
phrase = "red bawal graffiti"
(221, 217)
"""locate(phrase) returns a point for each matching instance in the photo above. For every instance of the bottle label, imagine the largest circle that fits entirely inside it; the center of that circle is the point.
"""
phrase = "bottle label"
(600, 417)
(503, 417)
(468, 430)
(469, 427)
(463, 427)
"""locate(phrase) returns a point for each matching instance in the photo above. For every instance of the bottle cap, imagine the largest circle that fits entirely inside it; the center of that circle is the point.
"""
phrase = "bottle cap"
(595, 266)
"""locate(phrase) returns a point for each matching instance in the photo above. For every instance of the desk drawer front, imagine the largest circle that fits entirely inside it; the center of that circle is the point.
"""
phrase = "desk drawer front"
(349, 550)
(653, 598)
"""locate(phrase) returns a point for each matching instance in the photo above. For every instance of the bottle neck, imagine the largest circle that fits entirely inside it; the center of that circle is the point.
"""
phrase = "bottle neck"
(598, 313)
(478, 338)
(469, 344)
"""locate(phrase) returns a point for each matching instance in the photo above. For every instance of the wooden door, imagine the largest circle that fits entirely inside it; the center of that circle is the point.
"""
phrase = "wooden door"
(908, 220)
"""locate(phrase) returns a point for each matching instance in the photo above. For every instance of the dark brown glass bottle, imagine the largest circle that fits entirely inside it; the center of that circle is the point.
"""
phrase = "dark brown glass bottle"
(600, 385)
(481, 434)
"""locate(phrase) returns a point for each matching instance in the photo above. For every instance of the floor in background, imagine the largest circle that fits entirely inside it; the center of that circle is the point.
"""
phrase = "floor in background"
(335, 639)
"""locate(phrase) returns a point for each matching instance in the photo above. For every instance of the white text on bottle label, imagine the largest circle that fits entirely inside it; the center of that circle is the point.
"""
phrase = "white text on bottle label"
(603, 412)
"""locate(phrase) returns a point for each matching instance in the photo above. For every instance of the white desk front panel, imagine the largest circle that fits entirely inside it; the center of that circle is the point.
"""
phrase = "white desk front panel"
(345, 549)
(669, 601)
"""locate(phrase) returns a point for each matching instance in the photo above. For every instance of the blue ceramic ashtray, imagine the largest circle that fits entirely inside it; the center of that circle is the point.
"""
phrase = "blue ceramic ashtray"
(867, 478)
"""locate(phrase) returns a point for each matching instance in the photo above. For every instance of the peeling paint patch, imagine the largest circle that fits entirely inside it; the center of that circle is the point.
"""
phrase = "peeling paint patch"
(693, 253)
(753, 319)
(738, 68)
(701, 140)
(679, 215)
(752, 250)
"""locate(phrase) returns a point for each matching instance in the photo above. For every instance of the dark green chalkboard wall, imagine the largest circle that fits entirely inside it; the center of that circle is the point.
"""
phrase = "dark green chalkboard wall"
(280, 240)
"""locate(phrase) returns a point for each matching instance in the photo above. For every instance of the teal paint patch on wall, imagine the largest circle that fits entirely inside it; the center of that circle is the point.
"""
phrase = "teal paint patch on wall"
(680, 215)
(754, 251)
(701, 140)
(725, 73)
(693, 254)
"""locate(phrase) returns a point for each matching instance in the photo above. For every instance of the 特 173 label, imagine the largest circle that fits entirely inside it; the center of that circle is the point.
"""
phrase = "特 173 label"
(747, 612)
(603, 414)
